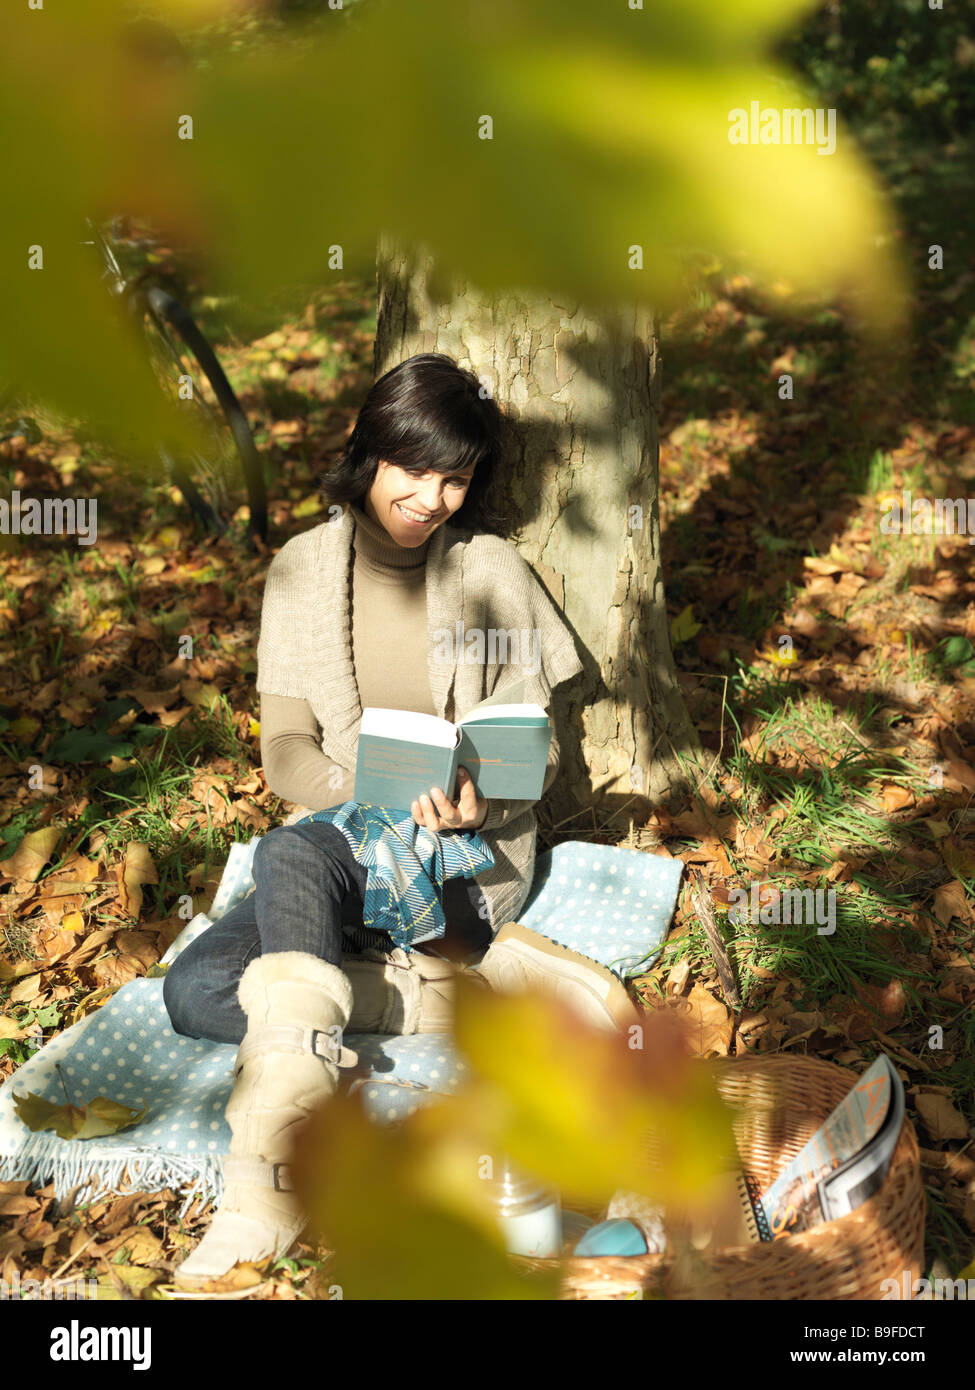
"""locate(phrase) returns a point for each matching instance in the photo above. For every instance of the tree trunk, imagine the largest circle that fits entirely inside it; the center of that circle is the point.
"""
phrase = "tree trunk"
(578, 484)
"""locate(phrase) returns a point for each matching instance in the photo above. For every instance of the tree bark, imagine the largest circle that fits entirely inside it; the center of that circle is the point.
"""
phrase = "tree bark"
(578, 484)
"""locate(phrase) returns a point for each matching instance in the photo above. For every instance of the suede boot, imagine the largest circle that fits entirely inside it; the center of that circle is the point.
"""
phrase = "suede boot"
(400, 993)
(520, 959)
(297, 1007)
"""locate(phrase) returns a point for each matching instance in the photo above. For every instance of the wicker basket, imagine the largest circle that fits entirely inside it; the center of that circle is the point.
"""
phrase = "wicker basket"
(780, 1102)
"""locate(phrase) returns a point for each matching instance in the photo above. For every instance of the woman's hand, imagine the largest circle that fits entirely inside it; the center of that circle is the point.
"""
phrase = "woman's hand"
(436, 812)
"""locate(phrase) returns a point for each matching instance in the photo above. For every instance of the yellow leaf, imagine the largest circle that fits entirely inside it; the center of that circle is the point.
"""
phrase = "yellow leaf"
(167, 538)
(199, 574)
(434, 1243)
(18, 971)
(141, 1245)
(100, 1116)
(842, 559)
(204, 696)
(32, 854)
(780, 656)
(133, 1278)
(10, 1028)
(106, 619)
(138, 869)
(683, 627)
(556, 1082)
(25, 727)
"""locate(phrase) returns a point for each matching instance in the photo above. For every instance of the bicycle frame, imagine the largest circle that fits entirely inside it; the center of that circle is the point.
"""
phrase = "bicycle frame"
(141, 300)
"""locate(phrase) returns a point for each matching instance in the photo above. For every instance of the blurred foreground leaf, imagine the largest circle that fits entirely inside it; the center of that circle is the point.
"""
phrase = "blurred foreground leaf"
(586, 1109)
(282, 163)
(367, 1189)
(405, 1207)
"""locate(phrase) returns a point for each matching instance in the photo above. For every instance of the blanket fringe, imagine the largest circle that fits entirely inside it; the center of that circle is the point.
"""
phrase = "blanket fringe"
(45, 1158)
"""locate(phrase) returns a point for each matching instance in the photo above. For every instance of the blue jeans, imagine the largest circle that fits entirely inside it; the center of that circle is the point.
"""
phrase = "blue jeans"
(308, 896)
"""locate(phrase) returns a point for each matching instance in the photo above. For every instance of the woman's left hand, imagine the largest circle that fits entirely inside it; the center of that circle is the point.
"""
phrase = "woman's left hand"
(437, 812)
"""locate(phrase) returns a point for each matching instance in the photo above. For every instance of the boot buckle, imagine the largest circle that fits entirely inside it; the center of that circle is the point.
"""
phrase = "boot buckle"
(254, 1171)
(324, 1045)
(291, 1037)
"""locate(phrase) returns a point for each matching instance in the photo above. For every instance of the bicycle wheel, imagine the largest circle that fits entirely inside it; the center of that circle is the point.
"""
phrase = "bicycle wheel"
(226, 474)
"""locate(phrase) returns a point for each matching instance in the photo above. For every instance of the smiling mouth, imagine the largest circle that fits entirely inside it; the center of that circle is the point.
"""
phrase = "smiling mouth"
(415, 516)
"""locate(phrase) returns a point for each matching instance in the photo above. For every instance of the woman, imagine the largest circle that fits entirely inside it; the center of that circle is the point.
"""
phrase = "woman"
(381, 605)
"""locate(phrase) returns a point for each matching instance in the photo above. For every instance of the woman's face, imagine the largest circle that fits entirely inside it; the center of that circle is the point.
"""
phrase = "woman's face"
(410, 506)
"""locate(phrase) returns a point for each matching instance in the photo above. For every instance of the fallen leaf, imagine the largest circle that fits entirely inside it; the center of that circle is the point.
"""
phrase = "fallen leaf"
(895, 798)
(959, 773)
(100, 1116)
(199, 693)
(941, 1119)
(677, 978)
(11, 1244)
(950, 900)
(888, 1001)
(958, 985)
(26, 989)
(136, 953)
(709, 1024)
(171, 717)
(51, 943)
(18, 971)
(960, 859)
(32, 854)
(155, 701)
(17, 1204)
(10, 1028)
(142, 1244)
(138, 869)
(25, 728)
(242, 1276)
(133, 1278)
(820, 565)
(88, 946)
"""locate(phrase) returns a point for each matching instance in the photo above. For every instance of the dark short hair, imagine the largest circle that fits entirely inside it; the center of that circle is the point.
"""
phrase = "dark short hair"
(426, 413)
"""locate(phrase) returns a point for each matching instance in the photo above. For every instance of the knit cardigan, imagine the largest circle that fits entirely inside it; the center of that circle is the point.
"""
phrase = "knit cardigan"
(475, 582)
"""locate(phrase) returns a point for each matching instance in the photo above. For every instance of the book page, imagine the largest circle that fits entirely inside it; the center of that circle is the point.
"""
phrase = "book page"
(498, 712)
(410, 727)
(510, 695)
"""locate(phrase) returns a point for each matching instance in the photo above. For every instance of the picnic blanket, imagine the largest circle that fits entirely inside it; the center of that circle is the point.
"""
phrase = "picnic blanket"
(614, 905)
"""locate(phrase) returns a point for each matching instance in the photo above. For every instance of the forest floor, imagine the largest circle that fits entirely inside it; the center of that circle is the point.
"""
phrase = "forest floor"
(829, 667)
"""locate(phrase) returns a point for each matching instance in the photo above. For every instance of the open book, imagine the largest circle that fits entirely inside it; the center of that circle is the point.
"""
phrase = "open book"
(502, 742)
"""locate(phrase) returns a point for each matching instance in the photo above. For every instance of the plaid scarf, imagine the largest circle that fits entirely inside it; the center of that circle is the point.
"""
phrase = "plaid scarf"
(407, 867)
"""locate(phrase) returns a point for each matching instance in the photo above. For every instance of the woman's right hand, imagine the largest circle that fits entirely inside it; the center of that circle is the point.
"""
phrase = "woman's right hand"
(437, 812)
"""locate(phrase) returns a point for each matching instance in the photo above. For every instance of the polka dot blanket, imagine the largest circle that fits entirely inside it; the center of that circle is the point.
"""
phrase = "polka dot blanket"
(614, 905)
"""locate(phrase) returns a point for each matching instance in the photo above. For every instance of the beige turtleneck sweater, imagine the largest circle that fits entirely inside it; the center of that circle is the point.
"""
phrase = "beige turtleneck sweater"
(389, 628)
(306, 650)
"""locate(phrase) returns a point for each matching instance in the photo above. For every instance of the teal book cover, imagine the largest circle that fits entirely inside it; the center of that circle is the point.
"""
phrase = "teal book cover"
(503, 745)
